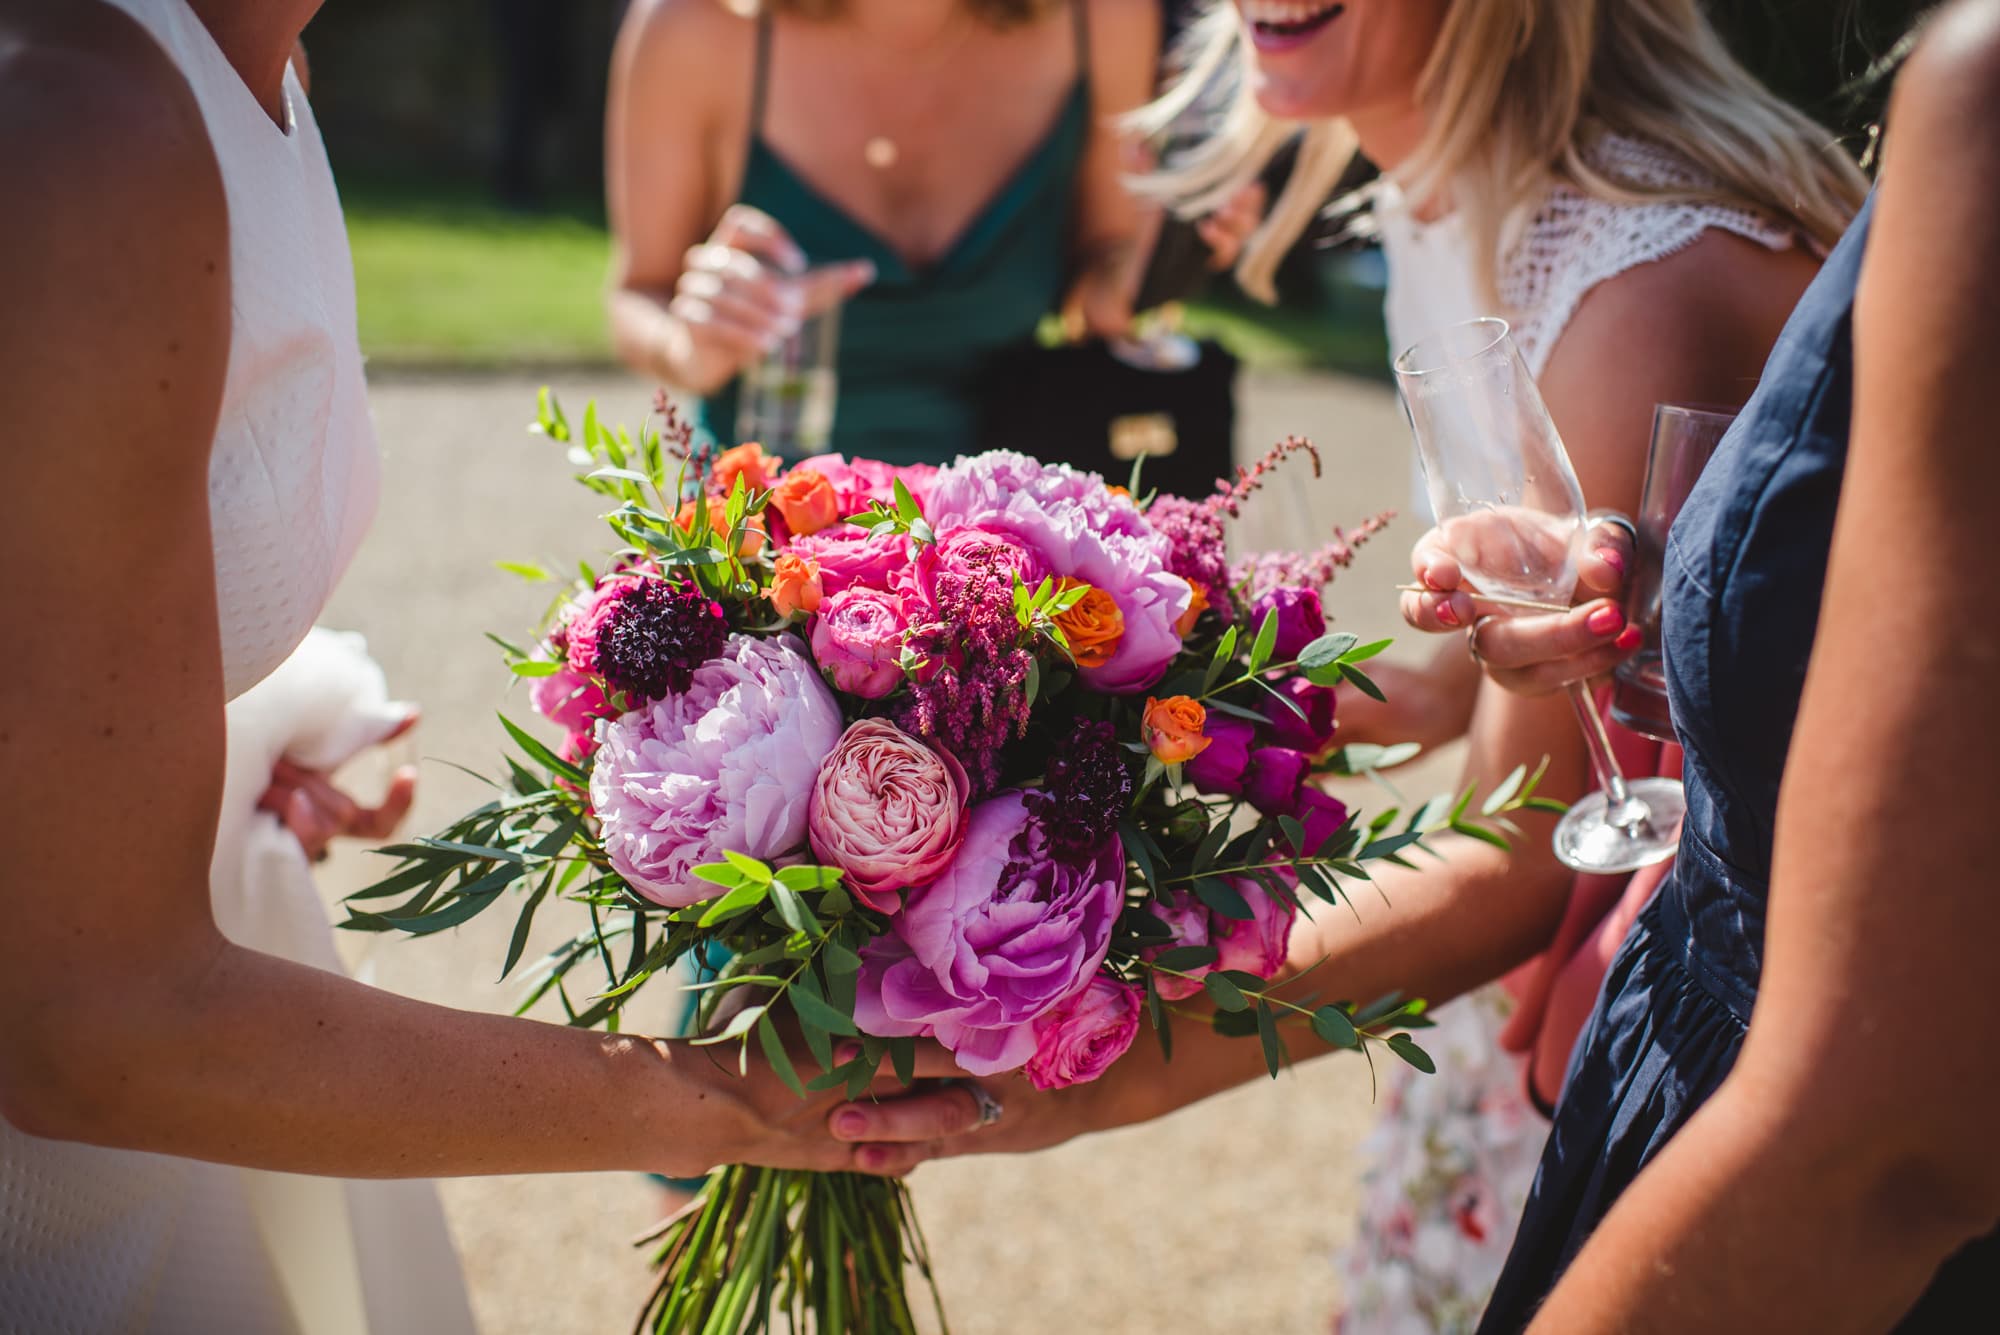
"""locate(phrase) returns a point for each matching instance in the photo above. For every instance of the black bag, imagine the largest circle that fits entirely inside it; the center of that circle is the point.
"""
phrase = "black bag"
(1081, 405)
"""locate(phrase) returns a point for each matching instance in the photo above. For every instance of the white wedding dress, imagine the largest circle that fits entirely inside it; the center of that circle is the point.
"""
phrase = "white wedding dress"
(98, 1240)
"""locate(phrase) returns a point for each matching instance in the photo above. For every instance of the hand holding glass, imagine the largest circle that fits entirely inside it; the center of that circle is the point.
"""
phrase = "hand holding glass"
(1508, 507)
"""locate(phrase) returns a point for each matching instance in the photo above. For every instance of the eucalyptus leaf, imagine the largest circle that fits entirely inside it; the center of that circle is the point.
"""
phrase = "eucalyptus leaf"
(1225, 994)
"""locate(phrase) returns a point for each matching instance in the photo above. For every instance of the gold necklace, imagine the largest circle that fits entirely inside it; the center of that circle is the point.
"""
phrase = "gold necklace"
(882, 152)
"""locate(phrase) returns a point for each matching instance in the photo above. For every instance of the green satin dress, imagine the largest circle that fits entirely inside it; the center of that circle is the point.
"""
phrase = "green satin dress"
(913, 345)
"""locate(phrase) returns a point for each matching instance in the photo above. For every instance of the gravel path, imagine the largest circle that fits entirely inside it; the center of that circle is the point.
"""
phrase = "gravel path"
(1222, 1218)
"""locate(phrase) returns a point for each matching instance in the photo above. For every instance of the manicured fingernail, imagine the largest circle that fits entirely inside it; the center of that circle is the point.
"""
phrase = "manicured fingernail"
(1431, 580)
(1629, 639)
(1605, 621)
(1613, 558)
(874, 1160)
(850, 1125)
(1447, 613)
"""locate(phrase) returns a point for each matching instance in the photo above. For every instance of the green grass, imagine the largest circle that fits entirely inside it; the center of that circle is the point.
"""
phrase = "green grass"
(443, 277)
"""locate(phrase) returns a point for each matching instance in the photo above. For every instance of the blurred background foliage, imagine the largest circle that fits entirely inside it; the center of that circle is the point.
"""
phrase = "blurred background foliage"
(467, 138)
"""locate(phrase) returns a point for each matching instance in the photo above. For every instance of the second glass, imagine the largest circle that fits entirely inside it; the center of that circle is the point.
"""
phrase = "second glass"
(1684, 436)
(786, 401)
(1509, 508)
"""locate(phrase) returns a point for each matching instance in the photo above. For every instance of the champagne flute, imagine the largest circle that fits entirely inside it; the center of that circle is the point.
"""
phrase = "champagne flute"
(1684, 436)
(1508, 507)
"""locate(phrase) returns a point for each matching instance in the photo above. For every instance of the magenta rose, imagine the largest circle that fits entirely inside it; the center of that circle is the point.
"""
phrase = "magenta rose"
(1309, 727)
(1006, 934)
(1077, 1041)
(888, 810)
(570, 700)
(1274, 778)
(858, 637)
(727, 764)
(1300, 619)
(1187, 918)
(1322, 816)
(1261, 945)
(862, 482)
(1219, 769)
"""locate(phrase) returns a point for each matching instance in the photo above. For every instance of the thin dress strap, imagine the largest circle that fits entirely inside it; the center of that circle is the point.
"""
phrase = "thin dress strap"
(760, 73)
(1080, 16)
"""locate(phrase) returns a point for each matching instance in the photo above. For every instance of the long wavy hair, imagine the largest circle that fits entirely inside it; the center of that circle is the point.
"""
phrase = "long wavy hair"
(1513, 95)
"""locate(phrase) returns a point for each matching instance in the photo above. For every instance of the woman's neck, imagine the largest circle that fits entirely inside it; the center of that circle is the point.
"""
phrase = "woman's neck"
(257, 37)
(1388, 137)
(904, 29)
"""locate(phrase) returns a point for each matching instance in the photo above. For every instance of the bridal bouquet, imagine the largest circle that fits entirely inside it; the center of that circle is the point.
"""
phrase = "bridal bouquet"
(996, 755)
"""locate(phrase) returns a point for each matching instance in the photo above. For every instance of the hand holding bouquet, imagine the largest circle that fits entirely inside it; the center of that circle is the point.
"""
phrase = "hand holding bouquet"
(997, 756)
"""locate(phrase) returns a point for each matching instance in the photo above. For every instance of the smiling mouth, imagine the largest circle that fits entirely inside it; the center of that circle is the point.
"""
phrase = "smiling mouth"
(1289, 20)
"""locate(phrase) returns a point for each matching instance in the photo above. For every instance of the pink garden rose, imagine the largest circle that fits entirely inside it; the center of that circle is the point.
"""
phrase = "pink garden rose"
(858, 637)
(585, 617)
(1077, 1041)
(1188, 919)
(727, 764)
(1082, 530)
(1261, 945)
(1005, 935)
(862, 482)
(848, 557)
(888, 810)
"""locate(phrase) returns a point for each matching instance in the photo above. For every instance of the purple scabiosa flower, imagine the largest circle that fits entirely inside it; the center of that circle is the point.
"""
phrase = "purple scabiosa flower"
(654, 635)
(1087, 789)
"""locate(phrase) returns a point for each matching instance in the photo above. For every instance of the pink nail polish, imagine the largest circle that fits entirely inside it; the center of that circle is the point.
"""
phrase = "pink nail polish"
(1447, 613)
(1605, 621)
(1613, 558)
(1629, 639)
(850, 1125)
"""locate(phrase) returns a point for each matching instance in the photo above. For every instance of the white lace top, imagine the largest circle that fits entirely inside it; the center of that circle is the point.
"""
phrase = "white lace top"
(100, 1240)
(1574, 242)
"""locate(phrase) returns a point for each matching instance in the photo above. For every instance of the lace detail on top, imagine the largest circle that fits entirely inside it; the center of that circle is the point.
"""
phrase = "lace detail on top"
(1574, 242)
(1577, 241)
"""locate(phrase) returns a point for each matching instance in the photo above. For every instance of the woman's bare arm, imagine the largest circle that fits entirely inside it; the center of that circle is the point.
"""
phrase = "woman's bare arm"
(1847, 1154)
(125, 1018)
(1115, 230)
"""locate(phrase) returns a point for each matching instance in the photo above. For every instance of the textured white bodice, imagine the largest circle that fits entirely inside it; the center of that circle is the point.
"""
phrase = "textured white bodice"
(1574, 242)
(96, 1240)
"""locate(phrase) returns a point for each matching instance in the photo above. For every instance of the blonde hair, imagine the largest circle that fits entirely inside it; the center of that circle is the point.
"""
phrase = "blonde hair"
(1513, 95)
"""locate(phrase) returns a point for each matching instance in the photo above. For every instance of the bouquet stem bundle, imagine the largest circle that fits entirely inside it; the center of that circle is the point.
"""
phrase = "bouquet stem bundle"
(767, 1241)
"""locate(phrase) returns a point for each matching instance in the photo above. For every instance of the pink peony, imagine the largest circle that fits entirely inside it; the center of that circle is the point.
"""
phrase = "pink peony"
(1079, 1040)
(858, 637)
(1080, 529)
(1187, 918)
(726, 764)
(888, 810)
(1261, 945)
(1004, 936)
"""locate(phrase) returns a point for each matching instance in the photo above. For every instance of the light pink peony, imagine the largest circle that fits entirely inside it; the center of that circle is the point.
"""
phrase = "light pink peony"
(858, 637)
(1187, 918)
(726, 764)
(1079, 1040)
(1261, 945)
(888, 810)
(1081, 529)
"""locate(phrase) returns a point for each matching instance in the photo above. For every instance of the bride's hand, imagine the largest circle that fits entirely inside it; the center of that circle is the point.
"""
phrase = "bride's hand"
(1531, 653)
(890, 1137)
(317, 812)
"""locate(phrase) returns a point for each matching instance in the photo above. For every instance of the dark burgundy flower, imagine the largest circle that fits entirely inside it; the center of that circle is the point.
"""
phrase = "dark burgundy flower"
(656, 635)
(1088, 786)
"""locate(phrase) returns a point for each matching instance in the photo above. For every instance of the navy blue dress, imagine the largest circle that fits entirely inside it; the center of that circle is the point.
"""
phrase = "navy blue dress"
(1744, 568)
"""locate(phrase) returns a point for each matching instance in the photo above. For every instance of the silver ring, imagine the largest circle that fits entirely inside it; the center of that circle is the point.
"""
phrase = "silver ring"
(990, 1108)
(1618, 519)
(1472, 639)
